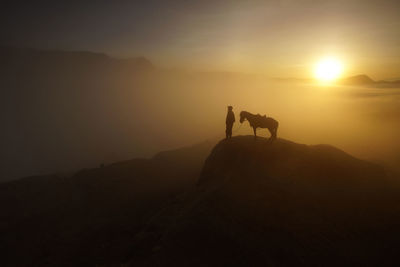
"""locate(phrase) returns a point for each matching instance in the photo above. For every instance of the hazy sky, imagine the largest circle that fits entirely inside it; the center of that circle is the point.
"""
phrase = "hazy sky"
(278, 38)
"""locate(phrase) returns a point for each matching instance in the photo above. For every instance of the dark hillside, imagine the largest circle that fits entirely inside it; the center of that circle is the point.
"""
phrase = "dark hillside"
(279, 204)
(90, 218)
(256, 203)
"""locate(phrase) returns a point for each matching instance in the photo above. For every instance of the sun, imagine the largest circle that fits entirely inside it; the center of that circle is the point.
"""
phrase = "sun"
(328, 69)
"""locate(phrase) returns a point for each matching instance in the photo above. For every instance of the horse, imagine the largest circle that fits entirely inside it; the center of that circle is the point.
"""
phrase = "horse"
(258, 121)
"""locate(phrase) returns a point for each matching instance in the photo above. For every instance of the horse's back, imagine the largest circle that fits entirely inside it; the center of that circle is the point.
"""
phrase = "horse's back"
(269, 122)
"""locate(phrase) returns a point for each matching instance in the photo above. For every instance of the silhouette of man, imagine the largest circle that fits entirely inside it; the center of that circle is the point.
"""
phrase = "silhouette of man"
(230, 119)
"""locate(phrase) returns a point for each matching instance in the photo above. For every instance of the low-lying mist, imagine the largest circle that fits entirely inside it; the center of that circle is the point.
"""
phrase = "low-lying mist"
(58, 119)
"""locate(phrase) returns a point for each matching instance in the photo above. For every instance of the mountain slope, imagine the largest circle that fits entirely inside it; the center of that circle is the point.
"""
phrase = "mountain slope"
(277, 204)
(90, 218)
(256, 203)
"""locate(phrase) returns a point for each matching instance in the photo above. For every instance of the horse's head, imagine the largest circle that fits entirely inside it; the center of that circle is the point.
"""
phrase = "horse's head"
(242, 116)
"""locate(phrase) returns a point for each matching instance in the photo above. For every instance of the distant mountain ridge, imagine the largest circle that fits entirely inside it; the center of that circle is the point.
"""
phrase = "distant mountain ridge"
(365, 80)
(361, 79)
(24, 55)
(357, 80)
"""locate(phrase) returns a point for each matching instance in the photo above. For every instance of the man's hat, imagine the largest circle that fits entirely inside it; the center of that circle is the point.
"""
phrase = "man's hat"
(230, 107)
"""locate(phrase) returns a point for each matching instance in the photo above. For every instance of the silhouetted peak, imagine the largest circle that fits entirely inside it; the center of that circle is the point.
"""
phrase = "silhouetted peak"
(257, 195)
(255, 159)
(361, 79)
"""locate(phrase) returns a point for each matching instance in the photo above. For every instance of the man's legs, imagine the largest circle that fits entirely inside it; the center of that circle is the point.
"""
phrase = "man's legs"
(229, 130)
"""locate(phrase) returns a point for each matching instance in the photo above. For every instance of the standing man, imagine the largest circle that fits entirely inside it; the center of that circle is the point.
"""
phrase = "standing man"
(230, 119)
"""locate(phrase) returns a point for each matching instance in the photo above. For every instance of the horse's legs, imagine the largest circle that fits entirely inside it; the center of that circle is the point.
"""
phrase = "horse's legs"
(255, 133)
(273, 133)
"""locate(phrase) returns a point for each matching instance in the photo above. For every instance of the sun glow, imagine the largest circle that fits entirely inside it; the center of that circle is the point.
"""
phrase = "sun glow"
(328, 69)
